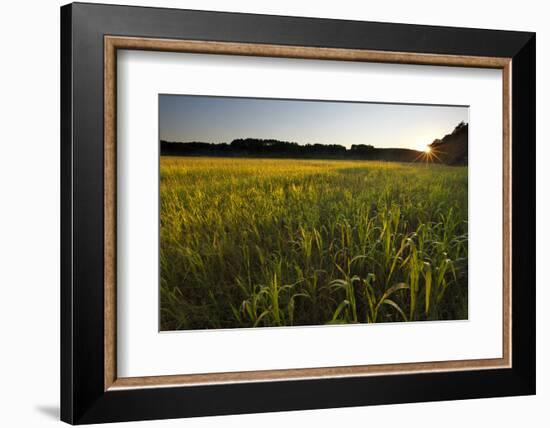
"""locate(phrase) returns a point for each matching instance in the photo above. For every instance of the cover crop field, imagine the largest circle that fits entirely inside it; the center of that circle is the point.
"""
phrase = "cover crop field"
(281, 242)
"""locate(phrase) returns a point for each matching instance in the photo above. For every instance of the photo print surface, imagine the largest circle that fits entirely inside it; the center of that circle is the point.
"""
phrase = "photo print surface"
(282, 212)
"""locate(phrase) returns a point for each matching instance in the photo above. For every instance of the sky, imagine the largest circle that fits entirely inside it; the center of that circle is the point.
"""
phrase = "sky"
(211, 119)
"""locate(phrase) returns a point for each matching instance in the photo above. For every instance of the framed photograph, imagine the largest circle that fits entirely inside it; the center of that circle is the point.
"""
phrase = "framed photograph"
(266, 213)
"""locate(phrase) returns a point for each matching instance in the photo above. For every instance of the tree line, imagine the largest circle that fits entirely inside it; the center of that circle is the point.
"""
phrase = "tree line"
(256, 147)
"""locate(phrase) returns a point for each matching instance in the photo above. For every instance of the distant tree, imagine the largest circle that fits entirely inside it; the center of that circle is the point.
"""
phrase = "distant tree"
(361, 149)
(460, 127)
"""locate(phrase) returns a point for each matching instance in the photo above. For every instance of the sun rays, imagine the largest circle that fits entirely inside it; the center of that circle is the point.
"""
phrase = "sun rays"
(428, 155)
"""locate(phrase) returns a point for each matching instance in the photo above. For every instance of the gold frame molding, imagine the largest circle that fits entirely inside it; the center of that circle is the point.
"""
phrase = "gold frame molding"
(113, 43)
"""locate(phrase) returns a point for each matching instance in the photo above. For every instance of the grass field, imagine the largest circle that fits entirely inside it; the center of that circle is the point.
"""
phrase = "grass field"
(280, 242)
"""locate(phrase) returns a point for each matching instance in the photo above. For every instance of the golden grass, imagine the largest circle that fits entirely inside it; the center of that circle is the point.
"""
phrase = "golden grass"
(273, 242)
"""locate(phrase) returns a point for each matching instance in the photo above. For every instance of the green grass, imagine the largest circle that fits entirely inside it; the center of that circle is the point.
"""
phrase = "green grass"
(268, 242)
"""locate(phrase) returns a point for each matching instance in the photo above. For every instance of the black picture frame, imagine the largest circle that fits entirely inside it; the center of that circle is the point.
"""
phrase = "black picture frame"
(83, 398)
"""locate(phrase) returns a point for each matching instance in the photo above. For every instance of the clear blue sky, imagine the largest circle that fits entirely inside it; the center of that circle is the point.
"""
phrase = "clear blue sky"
(223, 119)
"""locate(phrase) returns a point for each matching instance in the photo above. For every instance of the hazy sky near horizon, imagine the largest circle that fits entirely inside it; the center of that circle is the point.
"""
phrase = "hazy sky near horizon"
(222, 119)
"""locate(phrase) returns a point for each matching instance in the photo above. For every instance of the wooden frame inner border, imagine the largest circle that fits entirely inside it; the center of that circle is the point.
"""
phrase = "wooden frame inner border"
(113, 43)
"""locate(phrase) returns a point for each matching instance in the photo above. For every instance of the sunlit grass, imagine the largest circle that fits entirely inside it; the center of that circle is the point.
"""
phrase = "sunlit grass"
(266, 242)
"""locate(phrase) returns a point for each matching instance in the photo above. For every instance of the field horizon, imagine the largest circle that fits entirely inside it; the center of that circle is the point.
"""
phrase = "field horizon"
(451, 149)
